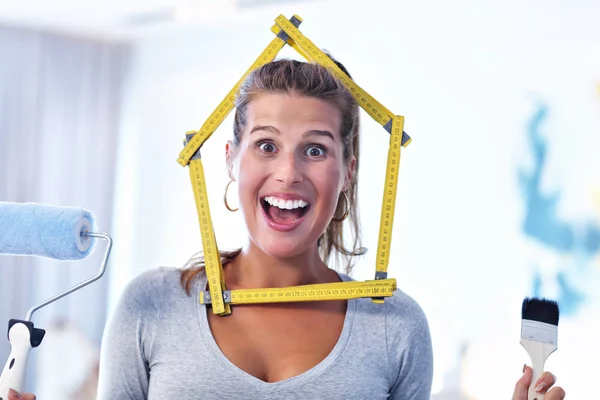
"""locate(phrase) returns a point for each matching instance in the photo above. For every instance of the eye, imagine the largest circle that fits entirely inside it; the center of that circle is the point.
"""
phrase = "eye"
(315, 151)
(267, 147)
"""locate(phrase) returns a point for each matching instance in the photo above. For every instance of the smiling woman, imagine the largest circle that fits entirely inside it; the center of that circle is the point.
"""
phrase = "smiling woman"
(294, 156)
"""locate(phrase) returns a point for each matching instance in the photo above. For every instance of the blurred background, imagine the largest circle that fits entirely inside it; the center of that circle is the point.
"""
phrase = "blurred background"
(499, 192)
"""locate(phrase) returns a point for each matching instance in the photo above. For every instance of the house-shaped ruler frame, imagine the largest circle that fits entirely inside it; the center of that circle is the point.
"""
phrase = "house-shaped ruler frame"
(286, 32)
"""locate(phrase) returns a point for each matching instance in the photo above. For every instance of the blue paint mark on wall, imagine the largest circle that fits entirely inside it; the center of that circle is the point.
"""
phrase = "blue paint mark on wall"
(543, 224)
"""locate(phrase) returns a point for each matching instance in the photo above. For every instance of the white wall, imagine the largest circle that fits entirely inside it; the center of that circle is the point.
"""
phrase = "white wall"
(467, 77)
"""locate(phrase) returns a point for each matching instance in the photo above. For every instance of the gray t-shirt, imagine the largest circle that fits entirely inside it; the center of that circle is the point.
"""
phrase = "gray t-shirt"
(158, 345)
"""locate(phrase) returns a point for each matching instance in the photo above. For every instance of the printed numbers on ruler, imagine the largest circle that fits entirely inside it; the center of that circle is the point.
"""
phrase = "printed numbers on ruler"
(389, 195)
(319, 292)
(214, 270)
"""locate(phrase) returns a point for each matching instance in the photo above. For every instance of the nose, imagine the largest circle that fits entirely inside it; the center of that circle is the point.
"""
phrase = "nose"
(288, 169)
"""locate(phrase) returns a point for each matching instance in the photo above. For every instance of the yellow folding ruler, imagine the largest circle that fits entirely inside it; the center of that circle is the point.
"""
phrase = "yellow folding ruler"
(218, 296)
(318, 292)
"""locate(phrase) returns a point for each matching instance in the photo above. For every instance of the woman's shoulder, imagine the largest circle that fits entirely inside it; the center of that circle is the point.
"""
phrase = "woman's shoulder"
(404, 313)
(401, 311)
(155, 277)
(151, 285)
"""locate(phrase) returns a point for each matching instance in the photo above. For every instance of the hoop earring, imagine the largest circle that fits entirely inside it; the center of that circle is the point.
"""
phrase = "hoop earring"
(346, 210)
(225, 198)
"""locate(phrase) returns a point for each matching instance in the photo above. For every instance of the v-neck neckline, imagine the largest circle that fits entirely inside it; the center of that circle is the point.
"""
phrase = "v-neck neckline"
(244, 376)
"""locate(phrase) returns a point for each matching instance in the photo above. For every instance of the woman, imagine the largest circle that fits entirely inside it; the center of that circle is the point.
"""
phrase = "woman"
(294, 157)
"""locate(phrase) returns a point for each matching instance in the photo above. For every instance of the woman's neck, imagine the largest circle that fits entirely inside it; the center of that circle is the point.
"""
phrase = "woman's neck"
(253, 268)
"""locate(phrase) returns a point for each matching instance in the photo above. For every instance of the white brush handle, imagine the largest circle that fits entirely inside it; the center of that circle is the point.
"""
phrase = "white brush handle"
(14, 371)
(538, 352)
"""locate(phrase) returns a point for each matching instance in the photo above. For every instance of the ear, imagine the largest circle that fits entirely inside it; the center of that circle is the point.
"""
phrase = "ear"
(229, 159)
(349, 177)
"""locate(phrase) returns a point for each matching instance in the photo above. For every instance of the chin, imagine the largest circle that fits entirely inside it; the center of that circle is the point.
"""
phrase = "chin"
(283, 247)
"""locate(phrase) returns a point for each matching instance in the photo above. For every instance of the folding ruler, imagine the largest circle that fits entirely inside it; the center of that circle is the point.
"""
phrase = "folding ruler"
(218, 296)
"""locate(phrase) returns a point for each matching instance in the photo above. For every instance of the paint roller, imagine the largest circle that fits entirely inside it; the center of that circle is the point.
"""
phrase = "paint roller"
(56, 232)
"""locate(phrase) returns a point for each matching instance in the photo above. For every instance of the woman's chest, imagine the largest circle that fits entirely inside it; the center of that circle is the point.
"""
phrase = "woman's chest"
(304, 355)
(200, 375)
(274, 344)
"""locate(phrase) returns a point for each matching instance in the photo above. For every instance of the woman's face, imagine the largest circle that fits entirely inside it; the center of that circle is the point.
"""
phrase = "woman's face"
(290, 169)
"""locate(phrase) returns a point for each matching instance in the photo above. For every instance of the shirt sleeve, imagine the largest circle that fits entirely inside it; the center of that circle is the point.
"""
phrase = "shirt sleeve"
(127, 340)
(409, 349)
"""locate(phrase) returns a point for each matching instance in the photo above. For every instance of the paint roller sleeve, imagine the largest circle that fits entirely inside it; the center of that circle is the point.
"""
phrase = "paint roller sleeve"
(45, 230)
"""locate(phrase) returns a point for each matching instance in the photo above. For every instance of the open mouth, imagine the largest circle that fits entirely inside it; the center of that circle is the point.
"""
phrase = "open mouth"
(284, 211)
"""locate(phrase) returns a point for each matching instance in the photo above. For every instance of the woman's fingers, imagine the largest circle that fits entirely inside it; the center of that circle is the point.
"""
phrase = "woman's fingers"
(546, 381)
(522, 384)
(542, 385)
(14, 395)
(556, 393)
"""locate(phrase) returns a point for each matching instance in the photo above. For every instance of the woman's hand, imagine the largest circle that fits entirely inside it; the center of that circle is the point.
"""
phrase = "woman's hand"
(543, 385)
(14, 395)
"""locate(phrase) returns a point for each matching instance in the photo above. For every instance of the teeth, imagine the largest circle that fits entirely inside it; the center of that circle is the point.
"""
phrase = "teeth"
(285, 204)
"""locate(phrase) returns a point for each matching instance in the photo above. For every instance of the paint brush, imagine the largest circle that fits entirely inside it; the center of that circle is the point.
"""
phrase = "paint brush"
(539, 334)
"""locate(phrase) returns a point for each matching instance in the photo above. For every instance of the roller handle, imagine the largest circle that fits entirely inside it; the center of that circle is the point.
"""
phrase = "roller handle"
(22, 337)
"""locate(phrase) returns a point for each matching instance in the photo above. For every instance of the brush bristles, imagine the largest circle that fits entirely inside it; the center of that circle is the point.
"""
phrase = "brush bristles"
(541, 310)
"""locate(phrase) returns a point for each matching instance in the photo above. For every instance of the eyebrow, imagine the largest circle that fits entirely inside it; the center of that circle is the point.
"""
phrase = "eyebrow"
(316, 132)
(267, 128)
(312, 132)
